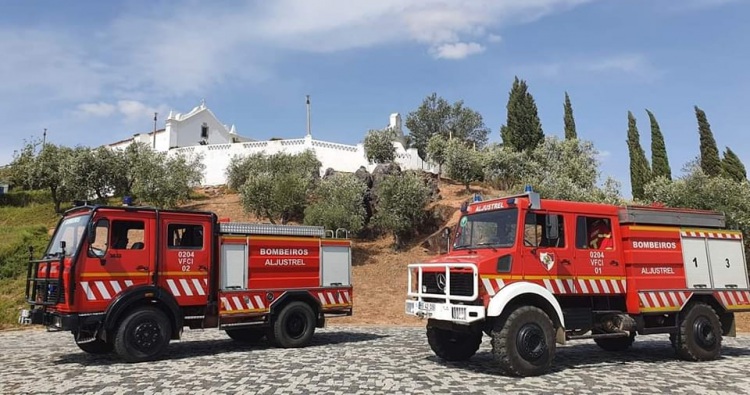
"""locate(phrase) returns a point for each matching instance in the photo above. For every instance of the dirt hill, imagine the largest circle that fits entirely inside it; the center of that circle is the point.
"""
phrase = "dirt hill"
(379, 273)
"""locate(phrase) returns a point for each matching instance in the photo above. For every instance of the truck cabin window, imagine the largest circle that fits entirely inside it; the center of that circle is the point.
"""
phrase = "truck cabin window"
(185, 236)
(537, 231)
(71, 230)
(127, 235)
(594, 233)
(487, 229)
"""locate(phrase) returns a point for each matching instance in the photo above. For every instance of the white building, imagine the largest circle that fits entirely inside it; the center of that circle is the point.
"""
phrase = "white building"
(199, 132)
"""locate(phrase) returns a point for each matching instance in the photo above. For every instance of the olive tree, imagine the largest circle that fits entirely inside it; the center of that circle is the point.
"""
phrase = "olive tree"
(38, 166)
(462, 163)
(401, 206)
(437, 148)
(379, 146)
(338, 202)
(276, 187)
(165, 181)
(505, 168)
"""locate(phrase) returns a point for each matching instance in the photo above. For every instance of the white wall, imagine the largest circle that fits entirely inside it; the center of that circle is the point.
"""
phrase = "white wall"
(185, 130)
(182, 135)
(340, 157)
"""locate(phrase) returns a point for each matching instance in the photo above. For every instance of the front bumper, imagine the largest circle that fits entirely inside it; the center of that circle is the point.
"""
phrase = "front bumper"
(52, 320)
(456, 313)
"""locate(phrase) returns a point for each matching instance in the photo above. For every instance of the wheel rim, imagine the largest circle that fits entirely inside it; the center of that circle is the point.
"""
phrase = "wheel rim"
(530, 342)
(296, 325)
(703, 332)
(146, 335)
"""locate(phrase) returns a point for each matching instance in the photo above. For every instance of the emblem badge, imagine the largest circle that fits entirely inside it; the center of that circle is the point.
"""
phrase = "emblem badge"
(440, 280)
(547, 259)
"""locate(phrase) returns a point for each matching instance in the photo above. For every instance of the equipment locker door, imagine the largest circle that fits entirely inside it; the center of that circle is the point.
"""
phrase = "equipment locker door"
(695, 257)
(727, 262)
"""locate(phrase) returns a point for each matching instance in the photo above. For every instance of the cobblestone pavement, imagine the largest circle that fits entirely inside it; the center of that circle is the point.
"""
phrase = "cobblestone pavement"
(348, 360)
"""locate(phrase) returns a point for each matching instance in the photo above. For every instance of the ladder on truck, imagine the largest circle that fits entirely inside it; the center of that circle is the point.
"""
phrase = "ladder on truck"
(652, 215)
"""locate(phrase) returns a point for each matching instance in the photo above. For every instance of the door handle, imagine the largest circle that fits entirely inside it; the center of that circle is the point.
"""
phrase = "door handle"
(141, 268)
(202, 268)
(565, 262)
(614, 263)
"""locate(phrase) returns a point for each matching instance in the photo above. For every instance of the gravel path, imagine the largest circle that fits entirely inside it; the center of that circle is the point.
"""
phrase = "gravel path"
(348, 360)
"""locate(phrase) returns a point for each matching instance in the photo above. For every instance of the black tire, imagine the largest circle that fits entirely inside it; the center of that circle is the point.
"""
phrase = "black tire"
(451, 345)
(143, 335)
(246, 335)
(293, 327)
(524, 345)
(616, 344)
(98, 346)
(699, 337)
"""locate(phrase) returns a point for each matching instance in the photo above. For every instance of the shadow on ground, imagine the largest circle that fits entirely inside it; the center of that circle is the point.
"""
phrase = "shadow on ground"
(588, 356)
(198, 348)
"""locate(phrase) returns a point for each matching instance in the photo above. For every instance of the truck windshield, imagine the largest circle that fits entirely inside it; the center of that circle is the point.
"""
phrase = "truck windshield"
(487, 229)
(71, 230)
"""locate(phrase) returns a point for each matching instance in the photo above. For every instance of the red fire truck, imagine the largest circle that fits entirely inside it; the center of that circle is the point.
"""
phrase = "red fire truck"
(532, 273)
(129, 279)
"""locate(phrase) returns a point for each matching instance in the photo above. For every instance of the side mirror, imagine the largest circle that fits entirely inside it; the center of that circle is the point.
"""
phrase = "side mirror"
(552, 227)
(446, 233)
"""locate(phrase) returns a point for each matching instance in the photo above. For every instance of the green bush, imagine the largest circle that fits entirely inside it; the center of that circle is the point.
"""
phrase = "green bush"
(338, 203)
(401, 206)
(25, 198)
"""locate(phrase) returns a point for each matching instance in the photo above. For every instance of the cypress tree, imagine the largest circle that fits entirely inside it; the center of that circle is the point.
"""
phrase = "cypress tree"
(523, 129)
(710, 162)
(732, 166)
(570, 122)
(659, 160)
(639, 168)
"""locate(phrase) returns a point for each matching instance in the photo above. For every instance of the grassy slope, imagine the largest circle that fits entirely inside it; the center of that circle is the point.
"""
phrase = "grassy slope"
(19, 228)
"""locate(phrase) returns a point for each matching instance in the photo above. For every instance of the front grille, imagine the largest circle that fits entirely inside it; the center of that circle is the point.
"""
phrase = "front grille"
(462, 284)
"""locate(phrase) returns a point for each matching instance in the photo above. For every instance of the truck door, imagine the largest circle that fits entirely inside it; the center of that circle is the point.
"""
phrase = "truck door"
(547, 253)
(599, 267)
(120, 257)
(186, 258)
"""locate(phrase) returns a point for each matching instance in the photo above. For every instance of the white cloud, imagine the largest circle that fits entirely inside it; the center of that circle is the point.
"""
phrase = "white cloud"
(494, 38)
(99, 109)
(457, 50)
(626, 63)
(632, 64)
(46, 64)
(189, 49)
(164, 52)
(129, 110)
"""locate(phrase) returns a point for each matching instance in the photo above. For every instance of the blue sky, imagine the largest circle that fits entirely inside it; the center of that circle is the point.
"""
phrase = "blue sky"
(93, 72)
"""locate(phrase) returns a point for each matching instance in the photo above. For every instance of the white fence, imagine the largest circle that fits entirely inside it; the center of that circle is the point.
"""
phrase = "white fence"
(339, 157)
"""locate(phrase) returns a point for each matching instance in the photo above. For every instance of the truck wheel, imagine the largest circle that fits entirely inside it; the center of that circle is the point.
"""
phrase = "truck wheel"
(246, 335)
(525, 344)
(451, 345)
(97, 346)
(294, 326)
(143, 335)
(699, 337)
(616, 343)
